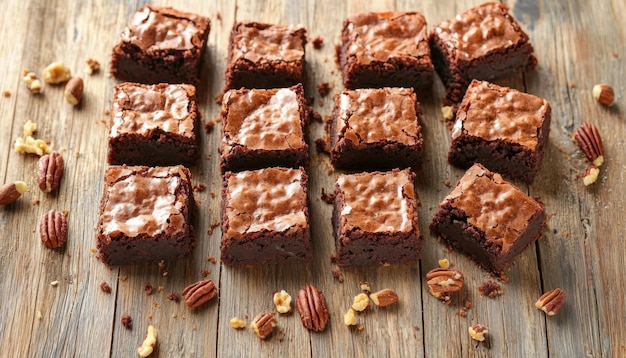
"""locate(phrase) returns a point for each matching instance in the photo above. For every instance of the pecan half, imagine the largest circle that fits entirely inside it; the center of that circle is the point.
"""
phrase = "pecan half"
(263, 324)
(589, 141)
(53, 229)
(384, 297)
(311, 305)
(551, 301)
(199, 293)
(49, 170)
(443, 282)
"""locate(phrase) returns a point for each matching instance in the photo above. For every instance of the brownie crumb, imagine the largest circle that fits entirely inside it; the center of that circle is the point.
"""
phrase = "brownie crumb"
(315, 116)
(127, 321)
(206, 272)
(322, 145)
(35, 202)
(148, 288)
(105, 287)
(323, 89)
(212, 194)
(447, 183)
(468, 305)
(320, 103)
(123, 278)
(219, 98)
(218, 15)
(462, 313)
(160, 288)
(161, 264)
(328, 198)
(174, 296)
(211, 259)
(200, 187)
(106, 112)
(6, 93)
(338, 275)
(491, 289)
(318, 42)
(208, 126)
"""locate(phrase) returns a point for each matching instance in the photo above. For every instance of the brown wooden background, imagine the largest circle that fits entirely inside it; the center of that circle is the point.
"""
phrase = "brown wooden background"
(578, 43)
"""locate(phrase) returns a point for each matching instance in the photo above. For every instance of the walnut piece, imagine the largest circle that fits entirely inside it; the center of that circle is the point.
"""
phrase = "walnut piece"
(478, 332)
(56, 73)
(148, 344)
(32, 82)
(360, 302)
(282, 300)
(28, 144)
(349, 318)
(237, 323)
(444, 263)
(92, 66)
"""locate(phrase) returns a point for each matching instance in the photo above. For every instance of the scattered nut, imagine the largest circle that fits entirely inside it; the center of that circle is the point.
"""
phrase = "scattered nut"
(28, 144)
(311, 305)
(349, 318)
(49, 171)
(56, 73)
(32, 82)
(282, 300)
(10, 192)
(590, 175)
(551, 301)
(360, 302)
(590, 143)
(447, 112)
(29, 128)
(263, 324)
(365, 287)
(443, 282)
(199, 293)
(237, 323)
(384, 298)
(53, 229)
(92, 66)
(54, 283)
(604, 94)
(148, 344)
(478, 332)
(444, 263)
(74, 91)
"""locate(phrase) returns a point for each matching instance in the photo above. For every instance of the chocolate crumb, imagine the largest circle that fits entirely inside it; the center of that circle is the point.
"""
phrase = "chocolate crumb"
(318, 42)
(211, 259)
(212, 194)
(219, 98)
(200, 187)
(218, 15)
(106, 112)
(165, 273)
(328, 198)
(161, 264)
(6, 93)
(35, 202)
(123, 278)
(315, 116)
(447, 183)
(323, 89)
(208, 126)
(338, 275)
(491, 289)
(174, 297)
(206, 272)
(322, 145)
(105, 287)
(127, 321)
(148, 288)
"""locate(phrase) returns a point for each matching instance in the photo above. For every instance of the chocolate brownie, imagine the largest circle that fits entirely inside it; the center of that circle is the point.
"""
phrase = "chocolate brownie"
(264, 128)
(161, 44)
(488, 219)
(385, 49)
(501, 128)
(265, 217)
(145, 215)
(375, 219)
(265, 56)
(153, 124)
(482, 43)
(376, 129)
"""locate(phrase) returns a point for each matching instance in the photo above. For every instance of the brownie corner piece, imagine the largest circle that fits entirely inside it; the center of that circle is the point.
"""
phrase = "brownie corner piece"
(488, 219)
(161, 45)
(484, 42)
(265, 217)
(376, 128)
(265, 55)
(154, 125)
(145, 215)
(375, 219)
(503, 129)
(264, 128)
(385, 49)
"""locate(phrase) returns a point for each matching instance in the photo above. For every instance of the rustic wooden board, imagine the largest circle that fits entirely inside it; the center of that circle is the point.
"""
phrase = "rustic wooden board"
(578, 44)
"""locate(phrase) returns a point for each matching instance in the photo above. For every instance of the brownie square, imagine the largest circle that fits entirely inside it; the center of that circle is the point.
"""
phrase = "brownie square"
(376, 129)
(265, 217)
(488, 219)
(482, 43)
(161, 45)
(385, 49)
(265, 56)
(501, 128)
(264, 128)
(375, 219)
(145, 215)
(153, 124)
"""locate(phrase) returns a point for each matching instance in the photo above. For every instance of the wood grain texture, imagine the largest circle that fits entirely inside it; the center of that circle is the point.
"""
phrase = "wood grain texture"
(578, 44)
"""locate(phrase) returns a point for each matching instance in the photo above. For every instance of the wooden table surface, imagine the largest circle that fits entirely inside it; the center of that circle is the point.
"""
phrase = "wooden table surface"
(578, 43)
